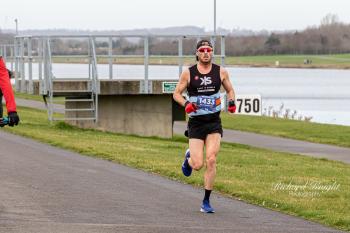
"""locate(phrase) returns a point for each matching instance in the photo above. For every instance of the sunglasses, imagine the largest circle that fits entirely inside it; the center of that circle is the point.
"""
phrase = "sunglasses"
(205, 50)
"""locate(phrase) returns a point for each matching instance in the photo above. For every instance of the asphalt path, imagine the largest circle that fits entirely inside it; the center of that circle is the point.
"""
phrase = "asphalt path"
(47, 189)
(316, 150)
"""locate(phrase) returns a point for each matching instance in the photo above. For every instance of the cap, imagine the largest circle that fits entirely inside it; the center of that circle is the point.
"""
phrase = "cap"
(204, 43)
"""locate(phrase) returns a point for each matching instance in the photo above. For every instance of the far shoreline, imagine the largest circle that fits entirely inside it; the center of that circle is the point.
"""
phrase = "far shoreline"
(296, 66)
(305, 61)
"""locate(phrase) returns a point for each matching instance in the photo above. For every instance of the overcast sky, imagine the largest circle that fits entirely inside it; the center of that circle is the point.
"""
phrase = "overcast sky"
(131, 14)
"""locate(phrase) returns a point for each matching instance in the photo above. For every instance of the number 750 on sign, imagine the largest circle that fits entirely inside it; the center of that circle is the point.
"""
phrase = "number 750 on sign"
(248, 104)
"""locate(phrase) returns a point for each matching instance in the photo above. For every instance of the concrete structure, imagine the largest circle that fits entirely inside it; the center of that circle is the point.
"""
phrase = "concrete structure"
(121, 107)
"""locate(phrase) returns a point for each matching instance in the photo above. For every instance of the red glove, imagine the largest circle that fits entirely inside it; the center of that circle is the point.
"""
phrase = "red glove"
(231, 106)
(190, 107)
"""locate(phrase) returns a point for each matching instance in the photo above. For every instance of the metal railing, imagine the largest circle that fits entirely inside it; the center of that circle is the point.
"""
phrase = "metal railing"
(38, 48)
(7, 51)
(94, 75)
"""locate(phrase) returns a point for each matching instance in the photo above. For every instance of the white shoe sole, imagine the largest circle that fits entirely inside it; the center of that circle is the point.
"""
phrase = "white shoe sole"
(204, 211)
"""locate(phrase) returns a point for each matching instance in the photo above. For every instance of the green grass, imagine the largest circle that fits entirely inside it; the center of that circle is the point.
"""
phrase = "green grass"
(129, 60)
(307, 131)
(57, 100)
(338, 61)
(28, 96)
(318, 61)
(301, 130)
(243, 172)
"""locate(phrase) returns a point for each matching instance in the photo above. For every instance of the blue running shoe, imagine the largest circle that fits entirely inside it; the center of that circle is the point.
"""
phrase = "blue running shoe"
(206, 208)
(186, 168)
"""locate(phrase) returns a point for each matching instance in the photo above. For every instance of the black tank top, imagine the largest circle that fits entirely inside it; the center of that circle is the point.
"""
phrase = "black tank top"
(204, 84)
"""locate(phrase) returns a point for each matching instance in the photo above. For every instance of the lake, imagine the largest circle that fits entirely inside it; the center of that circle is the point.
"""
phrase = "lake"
(322, 94)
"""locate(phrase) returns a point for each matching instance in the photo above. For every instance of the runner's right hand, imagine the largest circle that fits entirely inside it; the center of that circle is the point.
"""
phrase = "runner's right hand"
(231, 106)
(190, 107)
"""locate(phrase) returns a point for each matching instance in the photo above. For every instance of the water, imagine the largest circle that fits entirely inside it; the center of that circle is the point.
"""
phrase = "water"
(318, 93)
(321, 94)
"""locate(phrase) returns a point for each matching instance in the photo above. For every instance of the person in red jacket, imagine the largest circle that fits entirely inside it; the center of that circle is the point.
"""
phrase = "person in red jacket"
(11, 75)
(6, 88)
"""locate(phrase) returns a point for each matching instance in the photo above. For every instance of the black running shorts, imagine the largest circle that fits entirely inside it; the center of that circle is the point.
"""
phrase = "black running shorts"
(200, 129)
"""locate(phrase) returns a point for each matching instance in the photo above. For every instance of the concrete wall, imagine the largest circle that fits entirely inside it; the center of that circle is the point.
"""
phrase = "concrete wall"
(143, 115)
(122, 108)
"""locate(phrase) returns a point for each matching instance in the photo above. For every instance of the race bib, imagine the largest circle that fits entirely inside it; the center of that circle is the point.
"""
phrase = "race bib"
(206, 103)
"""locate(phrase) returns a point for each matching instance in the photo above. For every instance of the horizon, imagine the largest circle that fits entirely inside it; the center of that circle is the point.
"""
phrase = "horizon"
(10, 30)
(119, 15)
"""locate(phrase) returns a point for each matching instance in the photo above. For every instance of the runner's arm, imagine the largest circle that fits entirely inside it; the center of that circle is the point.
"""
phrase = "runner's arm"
(181, 87)
(226, 82)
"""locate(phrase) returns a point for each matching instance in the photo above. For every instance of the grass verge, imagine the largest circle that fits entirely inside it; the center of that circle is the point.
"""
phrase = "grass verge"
(306, 131)
(301, 130)
(337, 61)
(270, 179)
(28, 96)
(57, 100)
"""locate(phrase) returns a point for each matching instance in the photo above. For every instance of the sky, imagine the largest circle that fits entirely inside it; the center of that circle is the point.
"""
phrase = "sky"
(137, 14)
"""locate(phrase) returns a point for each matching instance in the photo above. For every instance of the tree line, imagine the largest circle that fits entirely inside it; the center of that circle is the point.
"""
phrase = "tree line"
(330, 37)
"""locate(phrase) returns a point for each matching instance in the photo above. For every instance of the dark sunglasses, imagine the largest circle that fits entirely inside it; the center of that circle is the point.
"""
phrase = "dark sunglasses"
(205, 50)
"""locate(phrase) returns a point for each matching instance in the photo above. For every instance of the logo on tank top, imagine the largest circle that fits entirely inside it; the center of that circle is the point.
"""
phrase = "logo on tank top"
(206, 81)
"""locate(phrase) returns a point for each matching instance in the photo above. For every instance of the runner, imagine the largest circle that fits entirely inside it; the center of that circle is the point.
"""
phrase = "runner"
(203, 82)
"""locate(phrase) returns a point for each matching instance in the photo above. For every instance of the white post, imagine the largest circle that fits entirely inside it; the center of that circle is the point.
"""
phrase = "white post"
(16, 21)
(214, 17)
(110, 58)
(146, 62)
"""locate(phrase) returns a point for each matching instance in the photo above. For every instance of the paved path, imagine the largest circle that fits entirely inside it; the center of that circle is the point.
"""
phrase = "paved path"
(257, 140)
(280, 144)
(38, 104)
(46, 189)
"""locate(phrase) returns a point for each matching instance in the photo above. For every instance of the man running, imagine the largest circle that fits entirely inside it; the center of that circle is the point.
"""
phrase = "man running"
(203, 82)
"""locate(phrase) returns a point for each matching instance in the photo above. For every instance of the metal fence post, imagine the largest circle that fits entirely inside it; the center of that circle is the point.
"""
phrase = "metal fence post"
(110, 53)
(16, 65)
(22, 66)
(4, 52)
(89, 55)
(212, 41)
(12, 56)
(30, 66)
(45, 83)
(40, 58)
(223, 55)
(146, 63)
(180, 55)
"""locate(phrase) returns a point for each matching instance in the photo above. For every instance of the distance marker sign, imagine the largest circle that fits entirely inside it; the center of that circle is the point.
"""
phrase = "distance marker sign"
(248, 104)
